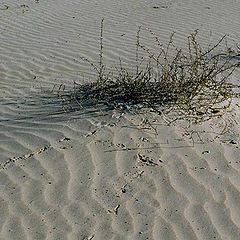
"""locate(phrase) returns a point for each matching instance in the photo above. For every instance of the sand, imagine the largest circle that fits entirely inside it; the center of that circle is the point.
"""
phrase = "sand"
(105, 175)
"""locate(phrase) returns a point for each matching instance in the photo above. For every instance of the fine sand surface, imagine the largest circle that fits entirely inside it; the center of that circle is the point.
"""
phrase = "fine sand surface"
(106, 175)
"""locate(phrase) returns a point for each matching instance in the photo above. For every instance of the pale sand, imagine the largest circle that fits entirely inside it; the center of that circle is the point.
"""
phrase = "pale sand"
(105, 176)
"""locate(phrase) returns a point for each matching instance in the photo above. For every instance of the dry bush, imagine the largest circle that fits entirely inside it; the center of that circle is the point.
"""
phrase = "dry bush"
(194, 82)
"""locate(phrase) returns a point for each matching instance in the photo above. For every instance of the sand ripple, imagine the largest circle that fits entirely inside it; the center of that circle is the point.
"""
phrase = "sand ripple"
(87, 174)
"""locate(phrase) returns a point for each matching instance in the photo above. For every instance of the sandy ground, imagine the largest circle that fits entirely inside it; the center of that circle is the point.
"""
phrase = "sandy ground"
(103, 175)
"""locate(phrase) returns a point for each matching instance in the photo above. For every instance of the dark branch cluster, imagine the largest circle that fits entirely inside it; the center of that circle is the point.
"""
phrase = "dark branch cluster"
(193, 81)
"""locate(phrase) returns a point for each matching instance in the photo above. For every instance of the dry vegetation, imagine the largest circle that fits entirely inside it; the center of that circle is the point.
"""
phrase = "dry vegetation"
(193, 83)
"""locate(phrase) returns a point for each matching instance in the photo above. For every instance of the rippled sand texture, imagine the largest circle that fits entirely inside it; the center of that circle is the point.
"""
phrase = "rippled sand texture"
(124, 179)
(102, 175)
